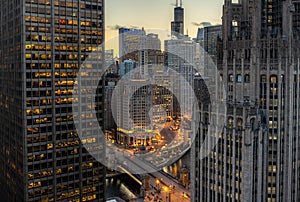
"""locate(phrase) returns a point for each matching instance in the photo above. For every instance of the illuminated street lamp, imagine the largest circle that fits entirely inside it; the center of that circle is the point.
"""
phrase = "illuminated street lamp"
(157, 182)
(166, 189)
(168, 192)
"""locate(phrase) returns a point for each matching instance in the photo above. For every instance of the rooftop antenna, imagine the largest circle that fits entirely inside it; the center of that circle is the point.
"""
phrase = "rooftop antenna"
(176, 3)
(180, 3)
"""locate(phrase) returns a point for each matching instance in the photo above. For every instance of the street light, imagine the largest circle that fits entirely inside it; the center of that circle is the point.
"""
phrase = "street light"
(157, 182)
(166, 191)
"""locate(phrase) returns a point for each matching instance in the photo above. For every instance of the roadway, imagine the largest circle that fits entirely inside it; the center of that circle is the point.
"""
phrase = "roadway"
(169, 189)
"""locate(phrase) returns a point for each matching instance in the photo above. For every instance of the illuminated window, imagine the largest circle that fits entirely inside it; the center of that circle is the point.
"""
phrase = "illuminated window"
(49, 146)
(34, 184)
(62, 21)
(273, 79)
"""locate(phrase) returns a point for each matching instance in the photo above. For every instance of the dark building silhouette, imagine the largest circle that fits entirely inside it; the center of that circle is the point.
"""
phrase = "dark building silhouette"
(42, 45)
(177, 26)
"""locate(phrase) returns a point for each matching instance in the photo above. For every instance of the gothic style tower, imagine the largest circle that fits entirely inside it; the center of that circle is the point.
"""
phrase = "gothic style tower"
(257, 156)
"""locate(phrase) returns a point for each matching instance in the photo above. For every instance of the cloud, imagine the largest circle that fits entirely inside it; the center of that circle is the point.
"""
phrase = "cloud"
(117, 27)
(133, 27)
(202, 24)
(114, 27)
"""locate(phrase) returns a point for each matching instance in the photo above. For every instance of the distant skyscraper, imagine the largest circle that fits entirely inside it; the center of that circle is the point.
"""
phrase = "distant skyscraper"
(130, 42)
(177, 26)
(135, 44)
(257, 156)
(209, 38)
(42, 45)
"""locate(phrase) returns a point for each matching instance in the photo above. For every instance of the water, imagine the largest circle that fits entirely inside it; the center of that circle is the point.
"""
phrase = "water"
(122, 186)
(126, 188)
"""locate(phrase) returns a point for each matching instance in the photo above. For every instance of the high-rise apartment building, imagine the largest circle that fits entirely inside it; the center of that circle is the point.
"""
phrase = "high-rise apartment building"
(257, 155)
(42, 46)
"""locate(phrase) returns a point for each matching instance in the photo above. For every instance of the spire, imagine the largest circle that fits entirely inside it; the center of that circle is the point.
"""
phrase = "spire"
(180, 3)
(176, 3)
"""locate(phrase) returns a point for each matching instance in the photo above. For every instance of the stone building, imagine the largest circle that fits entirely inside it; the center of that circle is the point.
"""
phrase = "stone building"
(257, 155)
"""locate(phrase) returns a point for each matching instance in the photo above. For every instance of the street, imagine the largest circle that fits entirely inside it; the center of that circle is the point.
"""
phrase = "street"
(165, 189)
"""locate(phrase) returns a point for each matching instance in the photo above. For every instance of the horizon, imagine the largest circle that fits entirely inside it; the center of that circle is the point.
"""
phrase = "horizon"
(124, 14)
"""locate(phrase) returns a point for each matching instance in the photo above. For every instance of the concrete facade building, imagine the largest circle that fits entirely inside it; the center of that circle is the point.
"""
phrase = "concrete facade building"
(181, 58)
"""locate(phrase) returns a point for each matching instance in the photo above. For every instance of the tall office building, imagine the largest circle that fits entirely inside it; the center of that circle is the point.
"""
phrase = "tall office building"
(257, 156)
(177, 26)
(43, 44)
(181, 58)
(208, 38)
(130, 41)
(135, 44)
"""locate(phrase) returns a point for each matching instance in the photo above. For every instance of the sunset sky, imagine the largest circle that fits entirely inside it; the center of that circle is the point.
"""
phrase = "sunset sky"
(158, 14)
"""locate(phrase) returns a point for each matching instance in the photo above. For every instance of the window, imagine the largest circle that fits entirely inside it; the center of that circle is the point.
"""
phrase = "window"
(239, 78)
(247, 78)
(273, 79)
(263, 79)
(235, 28)
(230, 122)
(230, 78)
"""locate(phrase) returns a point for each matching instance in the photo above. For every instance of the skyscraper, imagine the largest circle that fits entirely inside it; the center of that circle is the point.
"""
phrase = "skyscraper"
(43, 44)
(130, 41)
(180, 57)
(257, 156)
(177, 26)
(208, 38)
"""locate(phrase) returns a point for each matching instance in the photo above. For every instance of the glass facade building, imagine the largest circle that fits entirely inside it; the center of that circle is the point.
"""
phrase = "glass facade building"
(208, 37)
(43, 43)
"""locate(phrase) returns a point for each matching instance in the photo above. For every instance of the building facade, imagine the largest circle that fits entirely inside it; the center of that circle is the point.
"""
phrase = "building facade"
(43, 44)
(208, 38)
(130, 41)
(257, 155)
(181, 55)
(126, 67)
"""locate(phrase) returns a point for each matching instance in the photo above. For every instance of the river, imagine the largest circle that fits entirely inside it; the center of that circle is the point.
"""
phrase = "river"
(124, 187)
